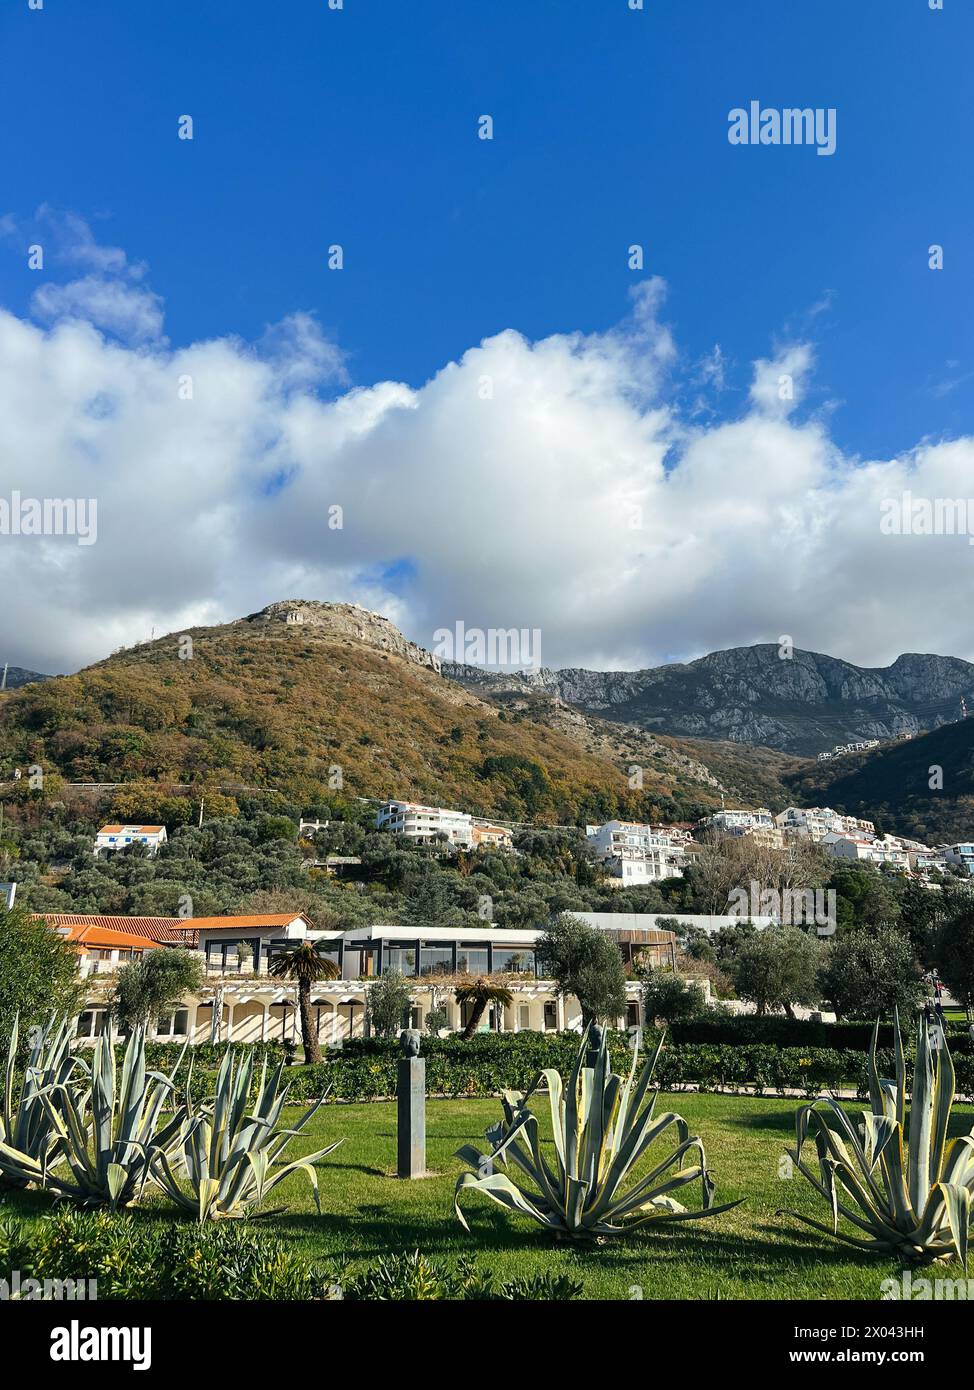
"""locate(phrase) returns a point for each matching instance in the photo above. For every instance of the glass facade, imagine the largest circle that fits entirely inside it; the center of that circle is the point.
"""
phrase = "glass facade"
(436, 960)
(517, 961)
(472, 960)
(401, 958)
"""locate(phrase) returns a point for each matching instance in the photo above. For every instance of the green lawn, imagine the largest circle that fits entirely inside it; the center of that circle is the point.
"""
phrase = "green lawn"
(747, 1253)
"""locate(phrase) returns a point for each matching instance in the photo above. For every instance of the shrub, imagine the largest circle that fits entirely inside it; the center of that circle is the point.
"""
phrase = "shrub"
(417, 1278)
(135, 1258)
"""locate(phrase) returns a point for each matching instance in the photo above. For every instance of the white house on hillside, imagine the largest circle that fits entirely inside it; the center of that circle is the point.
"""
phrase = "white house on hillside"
(425, 824)
(634, 853)
(113, 837)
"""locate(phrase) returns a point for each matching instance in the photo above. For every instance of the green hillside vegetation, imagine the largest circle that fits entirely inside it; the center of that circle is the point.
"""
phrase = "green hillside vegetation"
(892, 785)
(303, 713)
(760, 776)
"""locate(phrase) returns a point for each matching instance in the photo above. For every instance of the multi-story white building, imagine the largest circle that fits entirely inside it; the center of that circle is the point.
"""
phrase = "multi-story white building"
(811, 823)
(635, 853)
(426, 824)
(815, 822)
(728, 822)
(960, 857)
(860, 849)
(113, 837)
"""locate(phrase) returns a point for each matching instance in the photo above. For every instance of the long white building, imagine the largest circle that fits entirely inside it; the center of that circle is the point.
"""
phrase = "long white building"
(242, 1002)
(425, 824)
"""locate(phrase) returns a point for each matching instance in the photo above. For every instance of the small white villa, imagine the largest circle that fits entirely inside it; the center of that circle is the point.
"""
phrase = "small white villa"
(113, 837)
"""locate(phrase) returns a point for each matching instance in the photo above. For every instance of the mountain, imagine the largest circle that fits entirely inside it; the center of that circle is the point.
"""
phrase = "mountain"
(802, 705)
(16, 676)
(892, 785)
(285, 697)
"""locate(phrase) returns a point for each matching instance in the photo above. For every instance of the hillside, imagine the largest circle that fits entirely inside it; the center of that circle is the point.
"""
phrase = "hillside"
(892, 785)
(16, 676)
(286, 696)
(748, 775)
(802, 706)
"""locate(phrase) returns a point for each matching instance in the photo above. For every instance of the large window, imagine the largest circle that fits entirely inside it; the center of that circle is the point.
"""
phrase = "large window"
(518, 962)
(472, 960)
(361, 963)
(174, 1025)
(401, 958)
(91, 1023)
(436, 960)
(226, 958)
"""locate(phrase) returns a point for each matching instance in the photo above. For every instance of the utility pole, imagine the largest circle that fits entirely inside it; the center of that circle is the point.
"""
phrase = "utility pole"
(3, 683)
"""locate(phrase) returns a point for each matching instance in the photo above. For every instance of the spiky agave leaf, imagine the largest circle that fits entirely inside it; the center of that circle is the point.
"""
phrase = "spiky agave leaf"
(907, 1189)
(229, 1153)
(601, 1126)
(107, 1124)
(29, 1147)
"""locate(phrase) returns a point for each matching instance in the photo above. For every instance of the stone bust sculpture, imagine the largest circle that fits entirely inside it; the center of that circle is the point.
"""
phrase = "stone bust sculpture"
(409, 1041)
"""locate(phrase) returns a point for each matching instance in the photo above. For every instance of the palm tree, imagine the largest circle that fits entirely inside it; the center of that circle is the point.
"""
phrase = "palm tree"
(305, 962)
(479, 991)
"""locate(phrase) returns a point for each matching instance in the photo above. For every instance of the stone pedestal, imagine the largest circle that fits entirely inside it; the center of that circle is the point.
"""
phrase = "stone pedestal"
(411, 1107)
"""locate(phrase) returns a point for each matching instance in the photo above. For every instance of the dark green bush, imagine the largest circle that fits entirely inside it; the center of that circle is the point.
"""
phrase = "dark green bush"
(778, 1031)
(147, 1259)
(416, 1278)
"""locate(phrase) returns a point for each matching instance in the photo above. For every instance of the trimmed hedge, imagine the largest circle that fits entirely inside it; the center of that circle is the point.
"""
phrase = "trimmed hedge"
(365, 1069)
(769, 1070)
(799, 1032)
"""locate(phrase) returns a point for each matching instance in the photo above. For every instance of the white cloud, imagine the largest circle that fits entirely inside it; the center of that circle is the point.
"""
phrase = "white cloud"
(121, 309)
(505, 492)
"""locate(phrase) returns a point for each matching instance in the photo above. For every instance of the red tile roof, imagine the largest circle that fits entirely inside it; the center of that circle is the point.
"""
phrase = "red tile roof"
(112, 940)
(139, 829)
(244, 919)
(158, 929)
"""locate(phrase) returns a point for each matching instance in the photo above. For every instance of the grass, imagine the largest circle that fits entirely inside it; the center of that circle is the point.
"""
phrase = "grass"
(748, 1253)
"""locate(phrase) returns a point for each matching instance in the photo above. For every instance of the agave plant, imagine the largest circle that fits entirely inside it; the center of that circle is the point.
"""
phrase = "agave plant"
(602, 1128)
(229, 1154)
(904, 1186)
(28, 1142)
(108, 1127)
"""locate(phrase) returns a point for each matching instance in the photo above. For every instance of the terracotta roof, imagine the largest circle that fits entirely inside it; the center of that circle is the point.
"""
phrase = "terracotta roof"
(139, 829)
(112, 940)
(147, 928)
(244, 919)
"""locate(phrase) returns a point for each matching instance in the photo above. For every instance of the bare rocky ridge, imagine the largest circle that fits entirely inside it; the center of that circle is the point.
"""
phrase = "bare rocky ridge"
(344, 620)
(802, 705)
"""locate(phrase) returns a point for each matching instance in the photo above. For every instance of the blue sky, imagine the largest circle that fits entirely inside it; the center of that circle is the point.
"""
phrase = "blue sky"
(631, 484)
(359, 126)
